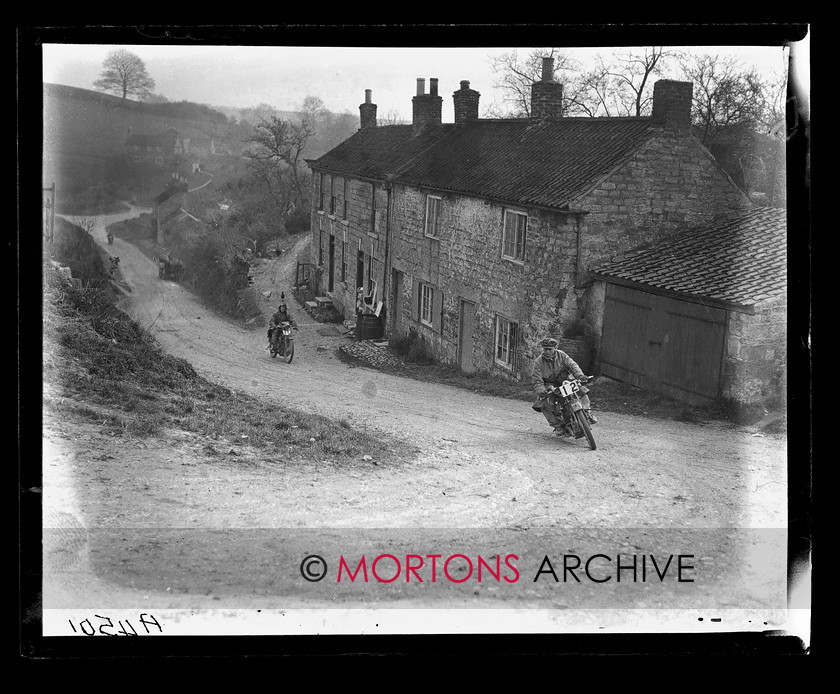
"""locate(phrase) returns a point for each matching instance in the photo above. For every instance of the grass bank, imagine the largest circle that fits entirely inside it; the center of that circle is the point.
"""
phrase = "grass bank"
(103, 367)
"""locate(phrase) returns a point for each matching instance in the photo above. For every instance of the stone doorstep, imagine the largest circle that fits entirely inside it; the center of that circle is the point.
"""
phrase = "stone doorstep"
(323, 301)
(311, 304)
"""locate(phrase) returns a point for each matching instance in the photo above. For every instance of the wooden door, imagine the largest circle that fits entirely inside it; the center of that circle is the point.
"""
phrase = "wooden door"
(331, 279)
(667, 345)
(466, 326)
(396, 313)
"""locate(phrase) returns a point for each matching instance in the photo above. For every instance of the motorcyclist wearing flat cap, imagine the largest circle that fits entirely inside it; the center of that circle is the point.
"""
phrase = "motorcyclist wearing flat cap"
(551, 368)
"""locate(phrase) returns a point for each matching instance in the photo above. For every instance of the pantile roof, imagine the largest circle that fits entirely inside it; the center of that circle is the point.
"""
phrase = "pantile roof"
(741, 261)
(377, 151)
(549, 162)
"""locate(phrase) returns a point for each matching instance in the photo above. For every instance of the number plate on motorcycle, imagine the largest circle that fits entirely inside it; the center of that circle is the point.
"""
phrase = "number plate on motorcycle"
(568, 388)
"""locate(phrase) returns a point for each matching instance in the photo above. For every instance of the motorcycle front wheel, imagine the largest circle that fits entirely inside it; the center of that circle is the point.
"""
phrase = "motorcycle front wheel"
(587, 430)
(290, 351)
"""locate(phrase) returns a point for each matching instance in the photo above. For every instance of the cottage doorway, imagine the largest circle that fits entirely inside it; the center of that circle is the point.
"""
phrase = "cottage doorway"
(396, 314)
(664, 344)
(466, 326)
(360, 269)
(331, 280)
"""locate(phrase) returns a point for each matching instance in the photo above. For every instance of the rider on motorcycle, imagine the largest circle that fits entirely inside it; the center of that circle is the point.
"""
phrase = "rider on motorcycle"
(280, 316)
(551, 368)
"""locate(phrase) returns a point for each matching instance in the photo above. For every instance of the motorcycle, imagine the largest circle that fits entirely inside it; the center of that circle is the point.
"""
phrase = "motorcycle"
(110, 239)
(282, 342)
(570, 410)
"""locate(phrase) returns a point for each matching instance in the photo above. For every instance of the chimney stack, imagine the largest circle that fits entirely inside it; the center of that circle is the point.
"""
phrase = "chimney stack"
(672, 105)
(466, 103)
(547, 94)
(426, 108)
(367, 112)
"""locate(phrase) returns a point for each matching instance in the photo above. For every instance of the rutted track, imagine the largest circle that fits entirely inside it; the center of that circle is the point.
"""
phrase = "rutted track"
(497, 445)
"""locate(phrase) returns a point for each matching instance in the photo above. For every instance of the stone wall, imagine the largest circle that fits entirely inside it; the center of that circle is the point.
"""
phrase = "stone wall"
(465, 262)
(670, 185)
(755, 363)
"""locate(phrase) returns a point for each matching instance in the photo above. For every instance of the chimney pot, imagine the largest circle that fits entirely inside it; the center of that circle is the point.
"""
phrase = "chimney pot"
(465, 84)
(547, 69)
(433, 86)
(421, 86)
(367, 112)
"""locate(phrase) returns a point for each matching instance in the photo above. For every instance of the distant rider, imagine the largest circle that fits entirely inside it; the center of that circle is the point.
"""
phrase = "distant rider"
(280, 316)
(551, 368)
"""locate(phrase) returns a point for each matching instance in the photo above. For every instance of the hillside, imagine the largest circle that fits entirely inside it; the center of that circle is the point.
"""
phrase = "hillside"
(82, 121)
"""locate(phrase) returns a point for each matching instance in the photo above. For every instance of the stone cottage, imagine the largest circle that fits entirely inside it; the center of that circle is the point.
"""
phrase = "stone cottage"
(479, 236)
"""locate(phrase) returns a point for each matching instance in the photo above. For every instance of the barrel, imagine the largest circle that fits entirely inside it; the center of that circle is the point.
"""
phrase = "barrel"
(579, 350)
(369, 327)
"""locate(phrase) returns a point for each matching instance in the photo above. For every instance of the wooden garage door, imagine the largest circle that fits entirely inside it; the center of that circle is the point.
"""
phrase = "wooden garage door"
(666, 345)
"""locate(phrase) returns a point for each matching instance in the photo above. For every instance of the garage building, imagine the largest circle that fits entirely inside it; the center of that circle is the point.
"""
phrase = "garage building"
(701, 316)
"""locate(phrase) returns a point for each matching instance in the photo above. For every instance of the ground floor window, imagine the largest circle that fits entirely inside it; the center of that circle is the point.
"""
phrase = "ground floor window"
(427, 299)
(505, 350)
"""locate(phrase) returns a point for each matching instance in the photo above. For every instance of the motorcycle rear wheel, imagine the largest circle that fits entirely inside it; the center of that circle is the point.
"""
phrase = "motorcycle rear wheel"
(587, 430)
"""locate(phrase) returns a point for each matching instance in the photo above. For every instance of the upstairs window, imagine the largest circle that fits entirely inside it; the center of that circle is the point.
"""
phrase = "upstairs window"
(505, 347)
(332, 194)
(322, 190)
(345, 201)
(432, 215)
(513, 236)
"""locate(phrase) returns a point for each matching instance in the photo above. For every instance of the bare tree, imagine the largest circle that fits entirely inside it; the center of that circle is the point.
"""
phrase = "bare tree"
(125, 74)
(620, 87)
(724, 94)
(739, 117)
(391, 117)
(277, 159)
(313, 110)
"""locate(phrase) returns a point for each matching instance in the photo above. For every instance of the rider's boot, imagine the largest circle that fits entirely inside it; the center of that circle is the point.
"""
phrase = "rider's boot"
(590, 417)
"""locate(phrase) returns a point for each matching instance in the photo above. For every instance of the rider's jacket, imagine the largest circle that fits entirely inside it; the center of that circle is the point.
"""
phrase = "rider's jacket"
(552, 372)
(280, 317)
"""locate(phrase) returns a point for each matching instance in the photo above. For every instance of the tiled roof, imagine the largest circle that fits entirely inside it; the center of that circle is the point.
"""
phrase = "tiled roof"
(380, 150)
(546, 163)
(741, 261)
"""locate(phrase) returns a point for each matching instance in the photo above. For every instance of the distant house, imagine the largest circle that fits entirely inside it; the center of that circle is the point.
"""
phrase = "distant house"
(702, 314)
(156, 148)
(162, 148)
(480, 236)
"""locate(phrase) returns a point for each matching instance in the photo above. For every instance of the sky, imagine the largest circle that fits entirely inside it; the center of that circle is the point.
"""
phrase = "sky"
(282, 76)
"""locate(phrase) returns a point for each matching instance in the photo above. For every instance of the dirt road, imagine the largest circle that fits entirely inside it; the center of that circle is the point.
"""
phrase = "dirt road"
(482, 462)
